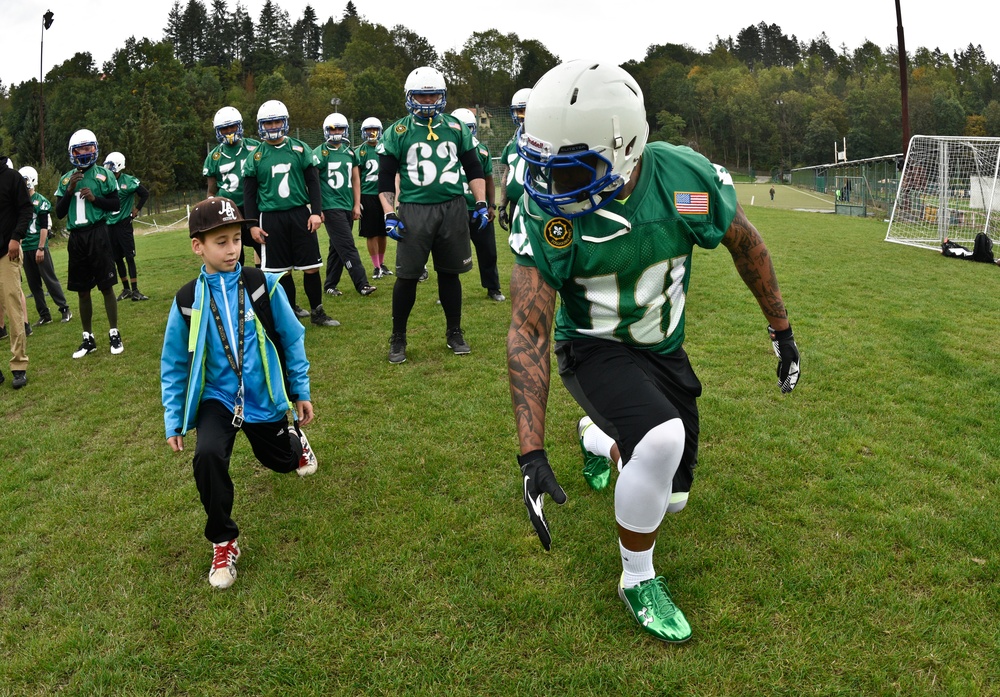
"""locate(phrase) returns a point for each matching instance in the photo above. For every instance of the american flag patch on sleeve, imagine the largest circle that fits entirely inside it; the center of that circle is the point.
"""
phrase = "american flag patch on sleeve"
(691, 203)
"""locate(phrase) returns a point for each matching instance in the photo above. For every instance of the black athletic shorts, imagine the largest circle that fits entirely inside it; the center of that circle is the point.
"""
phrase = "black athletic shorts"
(628, 391)
(289, 244)
(122, 239)
(438, 229)
(372, 222)
(90, 260)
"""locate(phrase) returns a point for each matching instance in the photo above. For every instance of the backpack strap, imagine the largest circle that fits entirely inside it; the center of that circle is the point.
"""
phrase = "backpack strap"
(185, 300)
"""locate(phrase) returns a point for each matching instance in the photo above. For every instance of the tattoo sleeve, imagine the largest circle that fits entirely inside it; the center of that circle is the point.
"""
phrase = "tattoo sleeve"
(388, 198)
(528, 363)
(753, 262)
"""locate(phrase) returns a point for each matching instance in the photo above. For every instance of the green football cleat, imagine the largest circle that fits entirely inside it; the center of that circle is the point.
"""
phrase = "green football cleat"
(596, 468)
(652, 608)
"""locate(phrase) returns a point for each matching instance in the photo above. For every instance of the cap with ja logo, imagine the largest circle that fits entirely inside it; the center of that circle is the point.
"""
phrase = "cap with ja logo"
(214, 212)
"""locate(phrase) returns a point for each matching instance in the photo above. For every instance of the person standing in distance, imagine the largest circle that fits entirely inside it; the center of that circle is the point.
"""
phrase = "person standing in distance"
(38, 267)
(609, 225)
(513, 187)
(372, 225)
(120, 231)
(223, 168)
(15, 217)
(85, 197)
(428, 149)
(281, 188)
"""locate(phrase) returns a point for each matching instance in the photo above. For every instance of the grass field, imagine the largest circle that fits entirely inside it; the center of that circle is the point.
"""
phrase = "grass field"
(841, 540)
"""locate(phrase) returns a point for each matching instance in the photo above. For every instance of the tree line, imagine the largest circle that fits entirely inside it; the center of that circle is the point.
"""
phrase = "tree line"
(761, 100)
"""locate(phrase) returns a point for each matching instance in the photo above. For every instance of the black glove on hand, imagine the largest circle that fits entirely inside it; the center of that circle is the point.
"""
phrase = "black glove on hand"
(538, 481)
(503, 218)
(788, 357)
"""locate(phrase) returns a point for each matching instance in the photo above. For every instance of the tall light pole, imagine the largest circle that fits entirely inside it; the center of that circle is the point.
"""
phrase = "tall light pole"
(903, 70)
(47, 19)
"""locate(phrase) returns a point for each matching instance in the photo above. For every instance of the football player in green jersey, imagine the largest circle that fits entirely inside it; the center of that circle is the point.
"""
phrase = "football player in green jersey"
(513, 187)
(85, 196)
(609, 224)
(38, 267)
(340, 180)
(120, 225)
(429, 149)
(484, 239)
(372, 225)
(223, 168)
(281, 189)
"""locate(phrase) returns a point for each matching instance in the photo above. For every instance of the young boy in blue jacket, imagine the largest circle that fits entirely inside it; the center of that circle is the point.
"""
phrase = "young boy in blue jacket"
(221, 373)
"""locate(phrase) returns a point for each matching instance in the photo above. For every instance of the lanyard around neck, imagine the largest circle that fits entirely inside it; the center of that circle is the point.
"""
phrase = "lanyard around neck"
(235, 362)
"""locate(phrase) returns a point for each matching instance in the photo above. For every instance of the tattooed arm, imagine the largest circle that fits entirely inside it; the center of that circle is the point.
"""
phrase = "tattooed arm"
(528, 362)
(753, 262)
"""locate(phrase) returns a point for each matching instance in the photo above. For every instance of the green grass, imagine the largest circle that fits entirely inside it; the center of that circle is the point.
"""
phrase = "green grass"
(841, 540)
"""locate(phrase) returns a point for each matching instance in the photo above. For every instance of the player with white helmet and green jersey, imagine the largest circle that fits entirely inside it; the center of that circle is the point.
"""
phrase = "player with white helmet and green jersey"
(223, 168)
(429, 149)
(38, 266)
(132, 196)
(372, 225)
(609, 224)
(510, 192)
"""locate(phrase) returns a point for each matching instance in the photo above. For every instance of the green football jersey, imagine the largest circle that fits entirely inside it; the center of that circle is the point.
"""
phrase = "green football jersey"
(336, 167)
(83, 213)
(486, 161)
(280, 172)
(428, 152)
(225, 163)
(368, 157)
(514, 181)
(127, 186)
(39, 205)
(623, 271)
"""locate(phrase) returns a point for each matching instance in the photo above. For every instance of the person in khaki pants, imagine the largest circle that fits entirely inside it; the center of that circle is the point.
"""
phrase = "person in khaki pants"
(15, 215)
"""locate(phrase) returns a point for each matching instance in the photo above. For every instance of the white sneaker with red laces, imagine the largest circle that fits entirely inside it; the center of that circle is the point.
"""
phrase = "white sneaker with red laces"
(307, 461)
(223, 571)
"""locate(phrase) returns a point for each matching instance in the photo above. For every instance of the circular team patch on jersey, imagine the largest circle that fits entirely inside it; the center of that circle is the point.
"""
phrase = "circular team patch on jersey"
(216, 155)
(256, 156)
(559, 233)
(400, 129)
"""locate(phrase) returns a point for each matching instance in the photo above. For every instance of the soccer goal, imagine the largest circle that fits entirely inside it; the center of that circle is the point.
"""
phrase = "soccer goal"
(948, 190)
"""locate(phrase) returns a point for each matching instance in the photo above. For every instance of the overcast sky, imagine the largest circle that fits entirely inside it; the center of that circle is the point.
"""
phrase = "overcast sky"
(613, 31)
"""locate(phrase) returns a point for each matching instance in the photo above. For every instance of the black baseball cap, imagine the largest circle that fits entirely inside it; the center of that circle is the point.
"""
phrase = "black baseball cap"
(215, 212)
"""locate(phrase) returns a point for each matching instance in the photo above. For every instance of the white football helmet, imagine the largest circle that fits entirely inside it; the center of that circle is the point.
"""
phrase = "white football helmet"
(584, 131)
(517, 104)
(224, 118)
(79, 139)
(115, 162)
(334, 121)
(467, 117)
(425, 80)
(371, 129)
(30, 176)
(272, 110)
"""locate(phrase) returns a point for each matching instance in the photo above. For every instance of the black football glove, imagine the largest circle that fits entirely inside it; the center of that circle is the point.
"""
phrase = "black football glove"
(503, 218)
(538, 481)
(481, 215)
(788, 357)
(394, 227)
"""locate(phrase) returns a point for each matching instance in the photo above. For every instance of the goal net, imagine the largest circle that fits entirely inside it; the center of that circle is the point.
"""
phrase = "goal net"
(948, 190)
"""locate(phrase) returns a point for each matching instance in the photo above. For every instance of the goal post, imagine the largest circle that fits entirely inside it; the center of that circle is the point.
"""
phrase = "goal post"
(949, 189)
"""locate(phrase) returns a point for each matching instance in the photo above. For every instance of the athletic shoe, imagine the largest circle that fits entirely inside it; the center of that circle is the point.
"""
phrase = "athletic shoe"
(43, 320)
(27, 329)
(66, 313)
(596, 468)
(377, 273)
(495, 295)
(299, 312)
(397, 348)
(387, 272)
(126, 294)
(3, 332)
(456, 342)
(2, 378)
(333, 291)
(424, 276)
(321, 319)
(307, 461)
(222, 574)
(89, 345)
(116, 342)
(367, 289)
(652, 608)
(137, 295)
(20, 379)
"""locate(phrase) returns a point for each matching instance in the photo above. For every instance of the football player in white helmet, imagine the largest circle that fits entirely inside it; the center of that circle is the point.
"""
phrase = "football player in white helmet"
(513, 186)
(336, 129)
(372, 225)
(87, 195)
(483, 238)
(431, 215)
(15, 217)
(133, 196)
(282, 192)
(611, 222)
(38, 266)
(223, 168)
